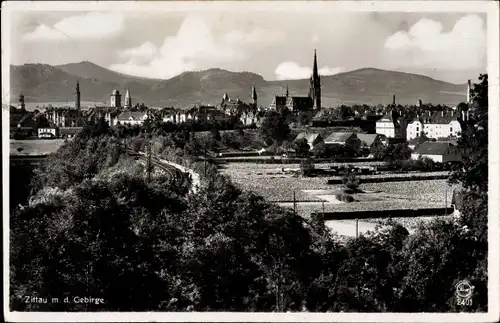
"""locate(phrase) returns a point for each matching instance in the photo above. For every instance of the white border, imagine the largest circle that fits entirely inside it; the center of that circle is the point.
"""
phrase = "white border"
(311, 7)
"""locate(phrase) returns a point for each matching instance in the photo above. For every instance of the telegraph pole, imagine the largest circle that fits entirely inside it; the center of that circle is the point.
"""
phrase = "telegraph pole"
(445, 201)
(149, 162)
(205, 160)
(357, 228)
(294, 203)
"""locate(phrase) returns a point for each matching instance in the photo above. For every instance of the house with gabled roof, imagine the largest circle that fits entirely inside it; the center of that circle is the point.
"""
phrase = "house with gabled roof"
(371, 142)
(440, 152)
(344, 139)
(312, 139)
(413, 143)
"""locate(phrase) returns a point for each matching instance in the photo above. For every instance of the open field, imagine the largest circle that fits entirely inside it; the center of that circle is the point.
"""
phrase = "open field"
(269, 181)
(35, 147)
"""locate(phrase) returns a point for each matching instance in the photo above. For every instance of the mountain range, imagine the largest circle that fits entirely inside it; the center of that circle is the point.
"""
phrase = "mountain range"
(46, 83)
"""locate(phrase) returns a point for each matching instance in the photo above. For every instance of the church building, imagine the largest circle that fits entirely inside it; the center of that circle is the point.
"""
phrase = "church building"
(296, 104)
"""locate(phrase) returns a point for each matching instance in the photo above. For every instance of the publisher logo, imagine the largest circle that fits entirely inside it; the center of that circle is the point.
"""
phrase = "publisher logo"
(463, 290)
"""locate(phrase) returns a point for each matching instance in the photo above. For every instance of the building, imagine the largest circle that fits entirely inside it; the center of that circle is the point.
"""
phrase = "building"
(386, 126)
(108, 113)
(116, 99)
(128, 100)
(349, 139)
(440, 152)
(469, 89)
(392, 125)
(69, 132)
(233, 107)
(298, 104)
(254, 97)
(315, 85)
(65, 117)
(21, 105)
(313, 139)
(413, 143)
(131, 118)
(371, 142)
(77, 96)
(435, 125)
(251, 118)
(48, 132)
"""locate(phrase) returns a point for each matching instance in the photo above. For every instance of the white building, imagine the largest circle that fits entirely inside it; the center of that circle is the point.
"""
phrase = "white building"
(385, 126)
(131, 118)
(48, 132)
(436, 125)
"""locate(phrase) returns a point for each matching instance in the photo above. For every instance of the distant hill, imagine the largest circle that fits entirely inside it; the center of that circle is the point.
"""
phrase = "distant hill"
(46, 83)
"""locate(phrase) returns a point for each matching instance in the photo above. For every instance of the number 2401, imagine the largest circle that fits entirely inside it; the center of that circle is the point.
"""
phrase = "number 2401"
(464, 301)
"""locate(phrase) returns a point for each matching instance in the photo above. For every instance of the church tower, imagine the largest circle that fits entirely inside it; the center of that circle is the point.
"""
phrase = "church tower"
(128, 100)
(254, 96)
(21, 104)
(77, 96)
(315, 85)
(116, 99)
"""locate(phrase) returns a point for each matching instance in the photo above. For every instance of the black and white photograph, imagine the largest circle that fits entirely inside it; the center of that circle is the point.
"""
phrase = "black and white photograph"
(250, 160)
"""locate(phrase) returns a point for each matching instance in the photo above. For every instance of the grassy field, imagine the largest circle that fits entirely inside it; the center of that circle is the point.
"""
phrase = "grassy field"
(35, 147)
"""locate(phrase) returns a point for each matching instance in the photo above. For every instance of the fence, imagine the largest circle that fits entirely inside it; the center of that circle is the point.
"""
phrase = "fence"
(401, 213)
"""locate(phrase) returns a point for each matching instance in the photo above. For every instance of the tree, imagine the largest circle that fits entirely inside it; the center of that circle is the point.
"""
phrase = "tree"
(473, 173)
(301, 147)
(394, 153)
(274, 127)
(303, 118)
(215, 133)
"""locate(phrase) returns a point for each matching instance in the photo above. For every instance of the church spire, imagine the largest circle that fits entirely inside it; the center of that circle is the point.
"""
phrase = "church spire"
(315, 68)
(128, 100)
(254, 95)
(287, 90)
(315, 86)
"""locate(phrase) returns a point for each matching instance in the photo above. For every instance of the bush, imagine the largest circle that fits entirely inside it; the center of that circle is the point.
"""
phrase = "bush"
(306, 167)
(341, 196)
(351, 182)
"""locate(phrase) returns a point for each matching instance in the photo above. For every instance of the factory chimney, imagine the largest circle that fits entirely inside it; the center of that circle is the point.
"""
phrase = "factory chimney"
(469, 88)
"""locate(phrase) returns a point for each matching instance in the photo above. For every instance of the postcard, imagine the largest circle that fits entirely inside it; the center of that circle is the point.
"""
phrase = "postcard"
(251, 161)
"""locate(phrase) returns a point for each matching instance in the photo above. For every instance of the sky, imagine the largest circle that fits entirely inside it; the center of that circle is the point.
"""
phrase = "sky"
(276, 45)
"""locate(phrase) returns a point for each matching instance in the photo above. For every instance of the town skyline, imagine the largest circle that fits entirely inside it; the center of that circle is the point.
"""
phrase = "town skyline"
(430, 44)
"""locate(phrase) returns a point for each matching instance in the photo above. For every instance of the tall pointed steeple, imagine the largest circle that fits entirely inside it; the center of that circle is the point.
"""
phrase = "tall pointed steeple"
(315, 86)
(77, 96)
(315, 68)
(287, 93)
(254, 95)
(128, 100)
